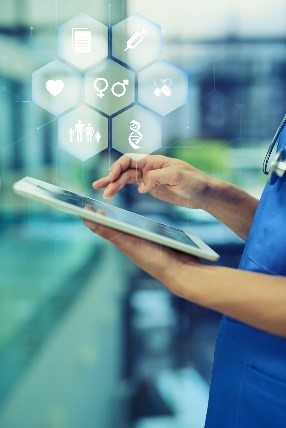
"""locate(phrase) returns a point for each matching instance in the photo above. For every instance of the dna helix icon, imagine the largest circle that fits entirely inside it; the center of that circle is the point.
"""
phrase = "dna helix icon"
(136, 136)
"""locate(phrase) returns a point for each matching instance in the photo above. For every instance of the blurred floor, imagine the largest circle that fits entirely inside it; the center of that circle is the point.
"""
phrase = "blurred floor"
(60, 350)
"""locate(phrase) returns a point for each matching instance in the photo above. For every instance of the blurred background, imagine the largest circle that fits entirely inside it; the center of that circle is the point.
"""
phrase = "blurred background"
(86, 339)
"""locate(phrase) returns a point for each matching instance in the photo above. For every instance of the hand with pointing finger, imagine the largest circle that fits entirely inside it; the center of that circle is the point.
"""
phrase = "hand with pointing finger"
(167, 179)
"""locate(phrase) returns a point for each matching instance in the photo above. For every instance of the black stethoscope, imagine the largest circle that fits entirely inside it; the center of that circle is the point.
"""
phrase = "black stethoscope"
(278, 165)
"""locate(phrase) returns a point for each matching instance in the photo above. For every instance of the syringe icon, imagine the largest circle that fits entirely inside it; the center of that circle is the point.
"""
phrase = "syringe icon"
(136, 40)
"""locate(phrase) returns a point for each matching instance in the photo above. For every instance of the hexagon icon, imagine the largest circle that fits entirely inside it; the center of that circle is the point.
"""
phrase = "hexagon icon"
(83, 133)
(83, 41)
(56, 87)
(136, 41)
(136, 133)
(163, 87)
(110, 87)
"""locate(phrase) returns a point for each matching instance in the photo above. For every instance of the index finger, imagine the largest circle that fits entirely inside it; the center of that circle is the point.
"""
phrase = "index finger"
(121, 165)
(126, 162)
(117, 169)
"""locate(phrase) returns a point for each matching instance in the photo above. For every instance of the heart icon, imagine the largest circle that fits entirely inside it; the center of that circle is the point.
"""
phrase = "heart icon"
(55, 87)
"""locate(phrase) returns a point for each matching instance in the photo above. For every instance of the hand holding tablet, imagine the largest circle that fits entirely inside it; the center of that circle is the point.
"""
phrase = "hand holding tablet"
(115, 218)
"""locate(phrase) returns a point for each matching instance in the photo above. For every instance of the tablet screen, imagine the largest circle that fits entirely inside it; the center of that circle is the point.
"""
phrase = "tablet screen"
(113, 212)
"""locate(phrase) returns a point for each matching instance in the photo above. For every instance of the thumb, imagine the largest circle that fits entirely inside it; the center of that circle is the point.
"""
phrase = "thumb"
(155, 178)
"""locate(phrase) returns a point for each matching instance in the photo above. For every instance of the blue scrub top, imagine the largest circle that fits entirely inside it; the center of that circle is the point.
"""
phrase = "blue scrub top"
(248, 388)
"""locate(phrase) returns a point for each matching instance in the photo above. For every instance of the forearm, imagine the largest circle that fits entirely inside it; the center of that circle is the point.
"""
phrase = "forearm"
(255, 299)
(232, 206)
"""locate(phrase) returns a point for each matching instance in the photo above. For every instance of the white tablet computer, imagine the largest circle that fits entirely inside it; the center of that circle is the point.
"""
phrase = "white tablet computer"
(116, 218)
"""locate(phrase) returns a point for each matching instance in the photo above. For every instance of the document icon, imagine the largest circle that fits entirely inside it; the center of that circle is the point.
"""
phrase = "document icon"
(81, 40)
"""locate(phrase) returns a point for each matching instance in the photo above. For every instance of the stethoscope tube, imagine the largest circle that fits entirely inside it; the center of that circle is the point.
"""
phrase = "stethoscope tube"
(273, 144)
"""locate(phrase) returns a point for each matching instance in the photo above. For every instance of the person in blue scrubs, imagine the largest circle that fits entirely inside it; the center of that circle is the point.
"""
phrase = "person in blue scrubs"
(248, 388)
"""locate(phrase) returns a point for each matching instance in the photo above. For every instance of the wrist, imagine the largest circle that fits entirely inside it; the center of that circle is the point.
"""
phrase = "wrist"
(215, 189)
(177, 279)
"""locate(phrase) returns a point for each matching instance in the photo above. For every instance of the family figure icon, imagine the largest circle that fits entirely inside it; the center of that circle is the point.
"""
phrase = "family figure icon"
(80, 132)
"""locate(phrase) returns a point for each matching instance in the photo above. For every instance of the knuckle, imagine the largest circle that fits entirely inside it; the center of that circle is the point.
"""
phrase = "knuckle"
(177, 176)
(131, 176)
(126, 177)
(120, 184)
(116, 185)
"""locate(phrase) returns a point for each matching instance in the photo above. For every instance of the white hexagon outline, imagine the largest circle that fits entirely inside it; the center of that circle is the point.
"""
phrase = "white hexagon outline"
(125, 107)
(126, 63)
(174, 66)
(63, 147)
(73, 72)
(138, 156)
(92, 64)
